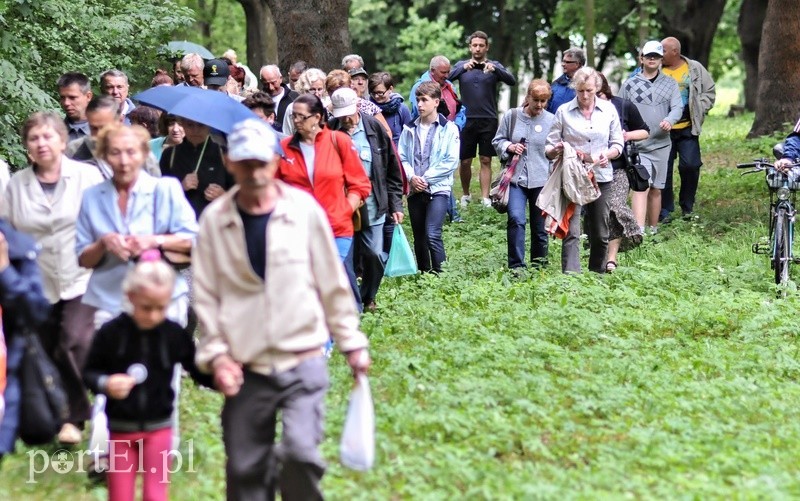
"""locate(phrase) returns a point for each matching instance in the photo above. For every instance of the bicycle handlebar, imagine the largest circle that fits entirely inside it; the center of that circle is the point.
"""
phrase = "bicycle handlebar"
(763, 163)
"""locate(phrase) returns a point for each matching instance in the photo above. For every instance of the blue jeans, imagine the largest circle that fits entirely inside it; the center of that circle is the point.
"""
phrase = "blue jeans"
(427, 214)
(344, 245)
(369, 246)
(686, 147)
(518, 198)
(13, 394)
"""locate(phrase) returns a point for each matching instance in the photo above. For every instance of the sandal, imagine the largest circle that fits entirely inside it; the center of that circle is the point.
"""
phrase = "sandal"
(611, 266)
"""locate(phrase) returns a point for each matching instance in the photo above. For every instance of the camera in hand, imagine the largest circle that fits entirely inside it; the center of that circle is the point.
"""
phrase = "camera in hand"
(478, 66)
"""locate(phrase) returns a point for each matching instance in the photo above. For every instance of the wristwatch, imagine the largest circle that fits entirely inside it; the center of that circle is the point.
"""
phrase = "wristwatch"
(160, 241)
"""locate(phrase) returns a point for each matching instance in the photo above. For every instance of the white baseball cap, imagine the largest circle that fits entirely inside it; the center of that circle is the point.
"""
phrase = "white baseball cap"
(653, 47)
(252, 139)
(345, 102)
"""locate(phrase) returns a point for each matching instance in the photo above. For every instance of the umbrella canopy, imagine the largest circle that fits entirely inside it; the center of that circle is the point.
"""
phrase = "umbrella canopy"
(208, 107)
(181, 48)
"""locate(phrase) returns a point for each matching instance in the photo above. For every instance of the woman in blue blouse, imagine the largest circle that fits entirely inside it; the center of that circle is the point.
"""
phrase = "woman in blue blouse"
(127, 215)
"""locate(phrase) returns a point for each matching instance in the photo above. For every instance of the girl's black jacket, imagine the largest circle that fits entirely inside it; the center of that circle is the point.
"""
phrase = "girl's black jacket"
(119, 344)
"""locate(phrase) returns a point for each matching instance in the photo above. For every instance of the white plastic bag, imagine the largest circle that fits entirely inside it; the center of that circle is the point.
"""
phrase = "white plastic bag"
(98, 443)
(358, 438)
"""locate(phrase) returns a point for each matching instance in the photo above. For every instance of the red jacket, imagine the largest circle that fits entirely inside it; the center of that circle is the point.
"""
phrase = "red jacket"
(334, 172)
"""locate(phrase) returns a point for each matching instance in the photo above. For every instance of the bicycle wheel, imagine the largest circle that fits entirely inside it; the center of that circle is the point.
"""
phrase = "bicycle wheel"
(780, 251)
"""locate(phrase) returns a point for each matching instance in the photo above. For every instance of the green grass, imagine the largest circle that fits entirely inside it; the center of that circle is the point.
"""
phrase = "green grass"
(675, 377)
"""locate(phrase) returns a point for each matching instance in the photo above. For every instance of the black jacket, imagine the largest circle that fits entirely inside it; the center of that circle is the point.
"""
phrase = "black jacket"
(21, 293)
(180, 160)
(387, 181)
(280, 111)
(119, 344)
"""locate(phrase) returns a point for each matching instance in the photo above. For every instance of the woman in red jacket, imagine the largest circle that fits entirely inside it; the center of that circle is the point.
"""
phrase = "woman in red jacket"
(325, 164)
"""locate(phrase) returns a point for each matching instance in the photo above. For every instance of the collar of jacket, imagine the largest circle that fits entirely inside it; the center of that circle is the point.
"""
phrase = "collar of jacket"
(230, 212)
(563, 79)
(364, 120)
(295, 141)
(442, 122)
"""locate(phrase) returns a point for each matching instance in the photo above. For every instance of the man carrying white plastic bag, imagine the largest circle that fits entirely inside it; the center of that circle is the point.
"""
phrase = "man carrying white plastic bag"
(270, 291)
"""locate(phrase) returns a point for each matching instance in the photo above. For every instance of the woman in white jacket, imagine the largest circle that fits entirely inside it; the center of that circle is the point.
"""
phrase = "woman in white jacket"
(43, 201)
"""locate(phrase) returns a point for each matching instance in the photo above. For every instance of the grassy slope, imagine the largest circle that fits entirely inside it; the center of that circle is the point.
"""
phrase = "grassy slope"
(675, 377)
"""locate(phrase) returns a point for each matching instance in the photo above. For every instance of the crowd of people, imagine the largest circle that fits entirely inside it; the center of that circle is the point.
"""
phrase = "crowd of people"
(288, 224)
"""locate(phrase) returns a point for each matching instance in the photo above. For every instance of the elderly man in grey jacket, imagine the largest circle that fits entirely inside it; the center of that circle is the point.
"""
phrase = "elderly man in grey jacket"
(698, 94)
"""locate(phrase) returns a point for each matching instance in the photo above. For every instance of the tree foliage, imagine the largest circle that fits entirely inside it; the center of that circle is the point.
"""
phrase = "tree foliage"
(219, 25)
(41, 39)
(418, 42)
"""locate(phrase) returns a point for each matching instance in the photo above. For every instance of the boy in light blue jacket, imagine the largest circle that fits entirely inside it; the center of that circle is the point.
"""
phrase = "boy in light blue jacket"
(429, 150)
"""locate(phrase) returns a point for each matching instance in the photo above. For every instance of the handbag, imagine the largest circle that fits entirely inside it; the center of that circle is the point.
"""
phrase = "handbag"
(498, 191)
(357, 449)
(401, 260)
(178, 260)
(638, 175)
(43, 406)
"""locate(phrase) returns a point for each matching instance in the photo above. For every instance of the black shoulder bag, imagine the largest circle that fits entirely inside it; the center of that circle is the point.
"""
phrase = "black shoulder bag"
(638, 175)
(43, 406)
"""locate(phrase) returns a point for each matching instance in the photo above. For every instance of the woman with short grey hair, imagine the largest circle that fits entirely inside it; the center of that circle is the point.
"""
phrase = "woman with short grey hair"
(311, 81)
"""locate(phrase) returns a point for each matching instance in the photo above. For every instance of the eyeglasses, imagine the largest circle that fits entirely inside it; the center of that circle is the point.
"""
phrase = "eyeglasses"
(302, 118)
(569, 62)
(652, 57)
(316, 91)
(379, 94)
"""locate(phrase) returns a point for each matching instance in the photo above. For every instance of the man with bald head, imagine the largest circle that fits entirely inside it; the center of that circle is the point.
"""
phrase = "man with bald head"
(698, 94)
(281, 94)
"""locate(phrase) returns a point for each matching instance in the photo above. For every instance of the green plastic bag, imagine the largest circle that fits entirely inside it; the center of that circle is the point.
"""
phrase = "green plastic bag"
(401, 259)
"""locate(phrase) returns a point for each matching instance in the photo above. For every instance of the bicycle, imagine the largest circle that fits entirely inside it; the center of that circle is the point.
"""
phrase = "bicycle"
(783, 188)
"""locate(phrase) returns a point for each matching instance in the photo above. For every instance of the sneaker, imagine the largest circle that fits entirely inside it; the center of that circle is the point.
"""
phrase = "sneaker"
(486, 202)
(465, 200)
(70, 434)
(652, 230)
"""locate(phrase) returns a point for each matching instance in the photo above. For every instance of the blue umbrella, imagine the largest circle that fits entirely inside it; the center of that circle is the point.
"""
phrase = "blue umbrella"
(181, 48)
(208, 107)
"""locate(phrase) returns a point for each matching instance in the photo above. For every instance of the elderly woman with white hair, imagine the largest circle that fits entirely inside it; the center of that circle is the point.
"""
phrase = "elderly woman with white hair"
(592, 127)
(311, 81)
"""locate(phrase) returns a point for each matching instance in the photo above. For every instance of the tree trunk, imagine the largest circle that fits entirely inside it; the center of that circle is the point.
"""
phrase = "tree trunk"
(262, 43)
(589, 8)
(694, 23)
(315, 31)
(751, 19)
(778, 101)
